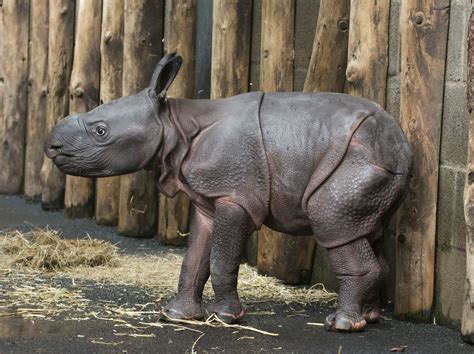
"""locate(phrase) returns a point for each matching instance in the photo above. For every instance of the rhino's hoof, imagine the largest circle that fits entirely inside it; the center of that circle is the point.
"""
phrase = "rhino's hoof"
(179, 310)
(228, 314)
(345, 322)
(371, 314)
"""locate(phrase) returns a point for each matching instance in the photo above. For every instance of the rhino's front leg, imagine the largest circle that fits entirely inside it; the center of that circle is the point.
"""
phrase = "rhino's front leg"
(194, 271)
(232, 227)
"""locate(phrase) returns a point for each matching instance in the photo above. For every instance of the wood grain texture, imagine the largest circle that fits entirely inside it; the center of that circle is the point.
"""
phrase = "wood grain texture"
(2, 51)
(142, 50)
(13, 123)
(285, 257)
(367, 54)
(423, 29)
(230, 47)
(327, 67)
(37, 98)
(467, 324)
(84, 96)
(60, 53)
(180, 36)
(111, 51)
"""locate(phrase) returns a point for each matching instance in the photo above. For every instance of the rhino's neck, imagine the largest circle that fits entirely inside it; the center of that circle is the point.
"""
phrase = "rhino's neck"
(182, 121)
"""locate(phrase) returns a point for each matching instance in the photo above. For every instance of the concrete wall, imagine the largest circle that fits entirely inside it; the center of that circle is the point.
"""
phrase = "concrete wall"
(451, 232)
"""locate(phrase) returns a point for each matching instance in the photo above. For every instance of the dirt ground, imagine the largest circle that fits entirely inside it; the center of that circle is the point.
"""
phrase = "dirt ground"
(98, 316)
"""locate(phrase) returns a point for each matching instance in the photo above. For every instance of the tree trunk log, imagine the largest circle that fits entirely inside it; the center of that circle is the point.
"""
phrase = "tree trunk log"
(180, 36)
(13, 124)
(142, 51)
(230, 47)
(108, 189)
(424, 29)
(366, 71)
(60, 52)
(84, 88)
(283, 256)
(467, 325)
(327, 67)
(37, 98)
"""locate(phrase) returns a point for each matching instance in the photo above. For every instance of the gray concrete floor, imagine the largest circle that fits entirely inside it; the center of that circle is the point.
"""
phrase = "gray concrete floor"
(290, 322)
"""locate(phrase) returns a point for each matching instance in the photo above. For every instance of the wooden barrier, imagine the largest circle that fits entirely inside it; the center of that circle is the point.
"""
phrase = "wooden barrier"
(286, 257)
(327, 67)
(180, 36)
(84, 96)
(142, 43)
(366, 72)
(37, 98)
(230, 47)
(60, 52)
(13, 123)
(423, 29)
(111, 51)
(2, 53)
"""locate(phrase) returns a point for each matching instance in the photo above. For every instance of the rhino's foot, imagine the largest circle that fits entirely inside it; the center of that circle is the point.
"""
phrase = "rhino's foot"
(371, 313)
(345, 322)
(183, 310)
(228, 312)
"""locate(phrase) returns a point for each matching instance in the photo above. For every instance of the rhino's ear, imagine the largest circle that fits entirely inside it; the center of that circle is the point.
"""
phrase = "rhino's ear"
(165, 72)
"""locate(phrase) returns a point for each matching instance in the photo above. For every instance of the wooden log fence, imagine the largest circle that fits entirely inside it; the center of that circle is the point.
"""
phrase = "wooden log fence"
(111, 55)
(37, 98)
(423, 30)
(143, 30)
(180, 36)
(84, 96)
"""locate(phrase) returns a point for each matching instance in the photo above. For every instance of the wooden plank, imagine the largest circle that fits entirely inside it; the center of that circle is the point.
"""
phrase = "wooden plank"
(286, 257)
(13, 127)
(327, 67)
(366, 71)
(467, 324)
(180, 36)
(2, 51)
(142, 51)
(37, 99)
(202, 87)
(423, 30)
(84, 88)
(111, 51)
(230, 47)
(60, 52)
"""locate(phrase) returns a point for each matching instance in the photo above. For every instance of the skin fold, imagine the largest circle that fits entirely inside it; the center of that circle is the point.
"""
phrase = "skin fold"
(328, 164)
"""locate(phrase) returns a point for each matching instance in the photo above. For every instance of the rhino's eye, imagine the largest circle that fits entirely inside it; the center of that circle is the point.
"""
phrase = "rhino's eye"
(101, 131)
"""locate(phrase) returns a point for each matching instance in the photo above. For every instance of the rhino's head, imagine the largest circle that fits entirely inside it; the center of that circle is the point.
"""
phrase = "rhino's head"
(116, 138)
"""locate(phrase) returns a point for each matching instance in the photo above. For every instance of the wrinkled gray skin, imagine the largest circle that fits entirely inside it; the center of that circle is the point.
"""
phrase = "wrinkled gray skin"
(328, 164)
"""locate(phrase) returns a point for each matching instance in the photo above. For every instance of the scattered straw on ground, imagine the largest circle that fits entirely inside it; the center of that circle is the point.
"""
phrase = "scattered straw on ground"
(44, 249)
(31, 264)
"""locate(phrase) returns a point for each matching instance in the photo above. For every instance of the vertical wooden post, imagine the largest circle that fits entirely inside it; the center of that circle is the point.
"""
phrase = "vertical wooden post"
(84, 88)
(283, 256)
(37, 98)
(142, 51)
(467, 325)
(180, 36)
(366, 72)
(60, 48)
(230, 47)
(327, 67)
(2, 53)
(111, 51)
(13, 124)
(423, 29)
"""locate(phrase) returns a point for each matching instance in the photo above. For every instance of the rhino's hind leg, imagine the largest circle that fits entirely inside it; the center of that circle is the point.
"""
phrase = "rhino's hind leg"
(194, 272)
(359, 273)
(232, 227)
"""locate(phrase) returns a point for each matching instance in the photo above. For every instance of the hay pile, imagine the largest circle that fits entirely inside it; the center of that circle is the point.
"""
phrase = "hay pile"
(44, 249)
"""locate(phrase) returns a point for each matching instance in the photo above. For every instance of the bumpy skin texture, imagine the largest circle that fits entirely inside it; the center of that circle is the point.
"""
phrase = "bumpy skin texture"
(330, 164)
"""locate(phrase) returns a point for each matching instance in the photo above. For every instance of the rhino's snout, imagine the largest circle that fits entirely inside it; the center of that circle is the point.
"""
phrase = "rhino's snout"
(52, 147)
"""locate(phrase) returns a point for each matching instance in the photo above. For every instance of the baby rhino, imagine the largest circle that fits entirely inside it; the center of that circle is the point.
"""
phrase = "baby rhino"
(326, 164)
